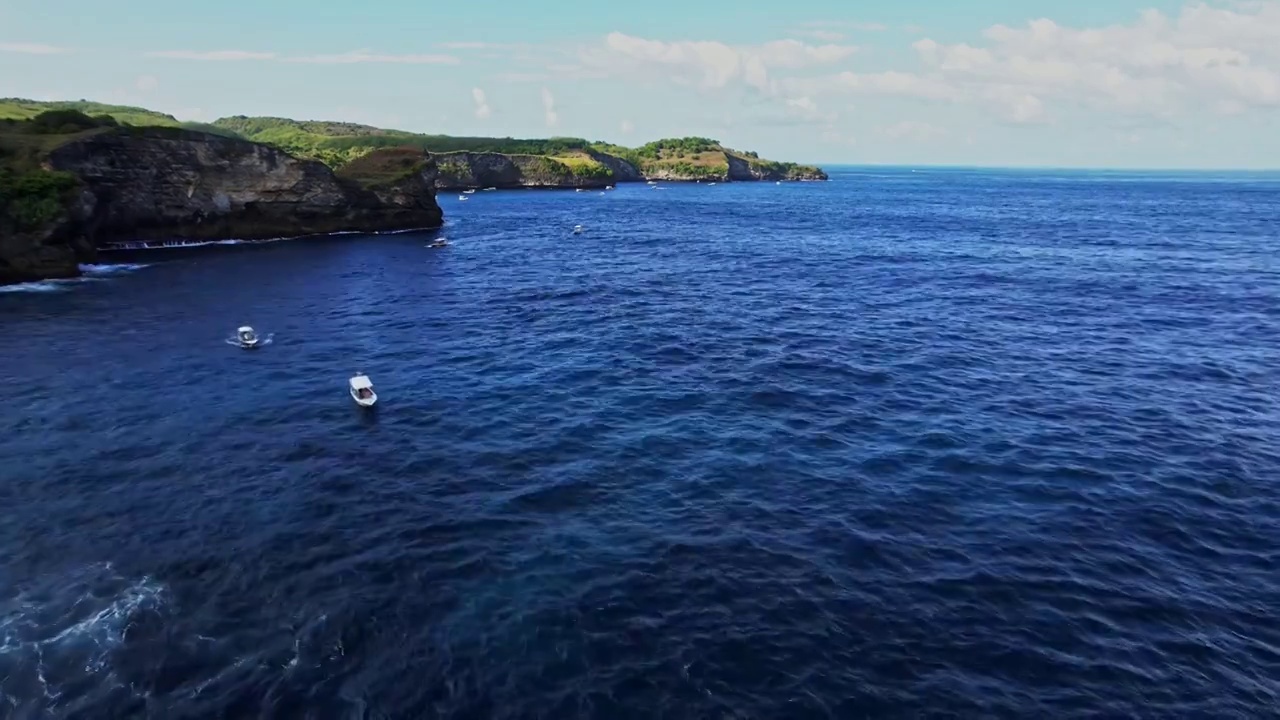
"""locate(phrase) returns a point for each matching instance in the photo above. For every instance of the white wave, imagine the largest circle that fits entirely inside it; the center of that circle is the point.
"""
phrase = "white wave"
(112, 269)
(41, 286)
(89, 272)
(70, 622)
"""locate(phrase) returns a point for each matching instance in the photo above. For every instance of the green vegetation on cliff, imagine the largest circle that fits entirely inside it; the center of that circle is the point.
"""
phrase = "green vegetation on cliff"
(30, 196)
(337, 144)
(22, 109)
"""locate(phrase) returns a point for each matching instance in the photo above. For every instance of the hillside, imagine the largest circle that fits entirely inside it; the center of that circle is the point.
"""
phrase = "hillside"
(571, 159)
(22, 109)
(469, 161)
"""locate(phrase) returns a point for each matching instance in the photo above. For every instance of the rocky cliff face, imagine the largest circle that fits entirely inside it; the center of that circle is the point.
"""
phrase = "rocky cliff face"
(742, 169)
(458, 170)
(166, 184)
(54, 249)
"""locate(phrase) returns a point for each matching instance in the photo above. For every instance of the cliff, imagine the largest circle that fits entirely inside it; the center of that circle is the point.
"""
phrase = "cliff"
(66, 190)
(460, 170)
(172, 184)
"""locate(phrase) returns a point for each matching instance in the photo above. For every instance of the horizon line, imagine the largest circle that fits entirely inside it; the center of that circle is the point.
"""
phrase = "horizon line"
(1058, 168)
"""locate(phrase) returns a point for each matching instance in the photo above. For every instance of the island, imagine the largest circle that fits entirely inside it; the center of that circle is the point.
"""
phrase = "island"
(79, 176)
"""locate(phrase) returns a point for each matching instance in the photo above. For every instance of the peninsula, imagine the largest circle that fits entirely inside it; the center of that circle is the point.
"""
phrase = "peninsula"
(79, 176)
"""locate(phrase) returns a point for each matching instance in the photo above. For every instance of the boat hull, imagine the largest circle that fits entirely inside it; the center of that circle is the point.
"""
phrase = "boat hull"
(365, 402)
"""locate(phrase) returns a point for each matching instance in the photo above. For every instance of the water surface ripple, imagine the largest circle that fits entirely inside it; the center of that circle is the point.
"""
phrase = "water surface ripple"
(904, 444)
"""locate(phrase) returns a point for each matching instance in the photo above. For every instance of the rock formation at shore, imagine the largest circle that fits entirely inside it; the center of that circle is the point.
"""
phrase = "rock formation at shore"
(594, 169)
(162, 184)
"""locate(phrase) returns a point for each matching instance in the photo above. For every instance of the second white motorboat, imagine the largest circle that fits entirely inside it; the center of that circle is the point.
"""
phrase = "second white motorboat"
(362, 390)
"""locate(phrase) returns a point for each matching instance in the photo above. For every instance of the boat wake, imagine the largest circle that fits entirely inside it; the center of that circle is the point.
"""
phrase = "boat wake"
(235, 340)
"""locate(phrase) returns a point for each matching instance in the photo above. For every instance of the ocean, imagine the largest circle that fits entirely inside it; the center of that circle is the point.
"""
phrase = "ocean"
(909, 443)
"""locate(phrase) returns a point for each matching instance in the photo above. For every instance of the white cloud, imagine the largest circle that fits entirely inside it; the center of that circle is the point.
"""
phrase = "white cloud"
(709, 63)
(482, 103)
(846, 25)
(913, 130)
(146, 83)
(1220, 58)
(822, 35)
(32, 48)
(365, 56)
(214, 55)
(351, 57)
(549, 108)
(627, 127)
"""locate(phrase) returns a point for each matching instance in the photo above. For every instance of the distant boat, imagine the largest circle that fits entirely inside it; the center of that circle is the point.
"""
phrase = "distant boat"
(490, 188)
(463, 197)
(711, 183)
(439, 243)
(777, 182)
(608, 187)
(653, 182)
(468, 192)
(362, 390)
(577, 229)
(578, 190)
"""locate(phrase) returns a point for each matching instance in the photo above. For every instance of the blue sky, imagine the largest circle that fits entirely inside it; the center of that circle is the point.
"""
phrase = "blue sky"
(1100, 83)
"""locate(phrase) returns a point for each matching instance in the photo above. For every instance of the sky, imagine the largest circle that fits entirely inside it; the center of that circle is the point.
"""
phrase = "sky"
(1085, 83)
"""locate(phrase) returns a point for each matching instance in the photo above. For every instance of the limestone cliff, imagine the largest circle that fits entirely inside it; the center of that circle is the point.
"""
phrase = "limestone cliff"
(458, 170)
(744, 169)
(170, 184)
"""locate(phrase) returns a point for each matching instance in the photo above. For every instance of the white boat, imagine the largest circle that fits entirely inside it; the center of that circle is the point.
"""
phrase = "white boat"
(608, 187)
(362, 390)
(777, 182)
(490, 188)
(710, 184)
(653, 182)
(463, 197)
(577, 229)
(468, 192)
(578, 190)
(438, 243)
(246, 338)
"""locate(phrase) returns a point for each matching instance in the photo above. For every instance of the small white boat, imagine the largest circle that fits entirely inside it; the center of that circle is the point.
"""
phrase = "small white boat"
(710, 184)
(653, 182)
(468, 192)
(578, 190)
(362, 390)
(490, 188)
(608, 187)
(463, 197)
(777, 182)
(577, 229)
(246, 338)
(438, 243)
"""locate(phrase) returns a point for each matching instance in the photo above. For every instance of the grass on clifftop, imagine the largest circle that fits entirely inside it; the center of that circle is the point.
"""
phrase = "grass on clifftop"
(22, 109)
(383, 168)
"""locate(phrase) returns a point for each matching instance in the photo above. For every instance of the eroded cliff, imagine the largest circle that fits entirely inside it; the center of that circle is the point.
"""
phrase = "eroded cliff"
(458, 170)
(171, 184)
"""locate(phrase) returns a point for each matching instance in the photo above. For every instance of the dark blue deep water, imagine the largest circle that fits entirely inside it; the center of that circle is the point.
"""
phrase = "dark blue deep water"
(904, 444)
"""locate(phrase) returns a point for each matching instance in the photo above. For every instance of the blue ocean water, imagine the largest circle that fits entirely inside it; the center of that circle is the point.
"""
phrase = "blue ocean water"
(932, 443)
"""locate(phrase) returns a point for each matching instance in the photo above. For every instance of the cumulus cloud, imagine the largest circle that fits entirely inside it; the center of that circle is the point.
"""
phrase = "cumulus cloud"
(346, 58)
(549, 108)
(482, 103)
(1226, 59)
(32, 48)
